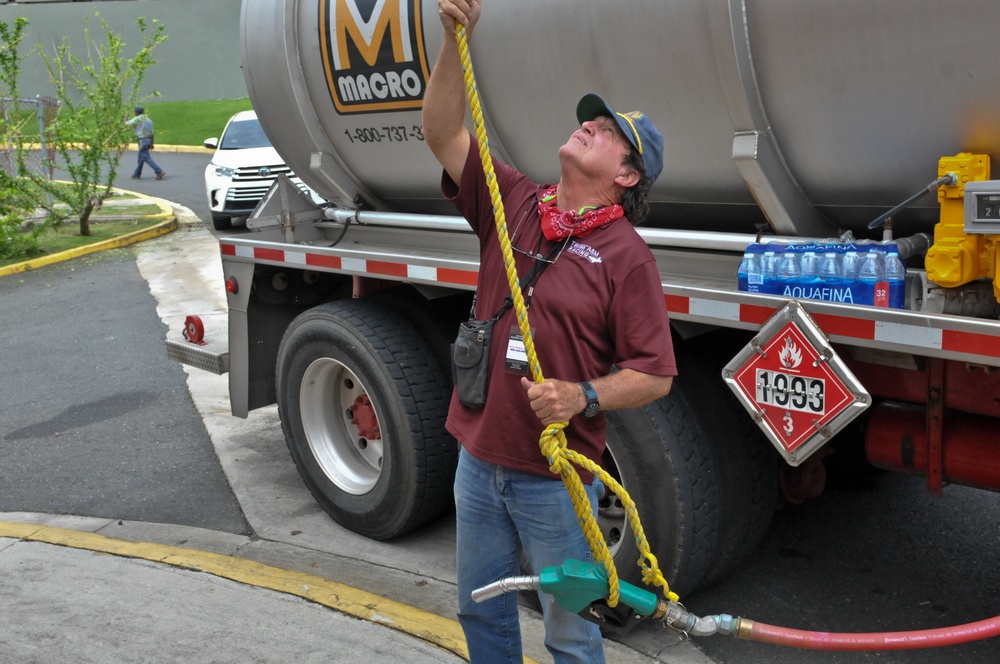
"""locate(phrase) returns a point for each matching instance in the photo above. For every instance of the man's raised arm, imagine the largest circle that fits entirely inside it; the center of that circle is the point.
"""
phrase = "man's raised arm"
(444, 100)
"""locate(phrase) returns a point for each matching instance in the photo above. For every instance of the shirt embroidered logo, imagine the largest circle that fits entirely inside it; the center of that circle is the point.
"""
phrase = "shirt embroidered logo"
(585, 251)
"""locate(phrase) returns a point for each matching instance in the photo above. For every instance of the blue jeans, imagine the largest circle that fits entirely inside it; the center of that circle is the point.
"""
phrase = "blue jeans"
(144, 144)
(499, 510)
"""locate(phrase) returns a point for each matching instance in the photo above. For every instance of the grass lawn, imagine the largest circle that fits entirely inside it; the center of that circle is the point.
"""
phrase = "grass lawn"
(67, 236)
(142, 210)
(191, 122)
(176, 122)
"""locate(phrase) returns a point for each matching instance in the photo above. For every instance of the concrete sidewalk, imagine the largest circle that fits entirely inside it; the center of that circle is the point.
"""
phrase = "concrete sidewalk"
(81, 591)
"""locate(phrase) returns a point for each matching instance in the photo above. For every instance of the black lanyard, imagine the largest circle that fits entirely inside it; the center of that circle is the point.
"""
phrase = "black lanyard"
(529, 280)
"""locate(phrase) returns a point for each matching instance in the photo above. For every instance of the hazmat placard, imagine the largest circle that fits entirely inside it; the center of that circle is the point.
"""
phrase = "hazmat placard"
(794, 385)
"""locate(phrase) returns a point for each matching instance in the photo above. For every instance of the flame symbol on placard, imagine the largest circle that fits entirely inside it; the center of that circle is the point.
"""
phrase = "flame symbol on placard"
(790, 355)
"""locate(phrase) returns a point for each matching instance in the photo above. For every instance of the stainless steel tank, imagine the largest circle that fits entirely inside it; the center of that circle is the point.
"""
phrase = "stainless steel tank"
(814, 115)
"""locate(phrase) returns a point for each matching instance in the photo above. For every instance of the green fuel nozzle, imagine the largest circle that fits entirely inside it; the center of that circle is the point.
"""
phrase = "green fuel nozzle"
(577, 585)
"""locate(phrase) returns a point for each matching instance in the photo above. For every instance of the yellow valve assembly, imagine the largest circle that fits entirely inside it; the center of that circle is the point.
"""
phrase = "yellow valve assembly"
(959, 256)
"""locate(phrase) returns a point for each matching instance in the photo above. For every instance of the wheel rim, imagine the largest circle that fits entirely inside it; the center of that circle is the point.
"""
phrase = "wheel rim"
(612, 518)
(341, 426)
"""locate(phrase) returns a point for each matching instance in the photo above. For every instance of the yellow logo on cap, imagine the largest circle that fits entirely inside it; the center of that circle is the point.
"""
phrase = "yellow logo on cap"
(629, 117)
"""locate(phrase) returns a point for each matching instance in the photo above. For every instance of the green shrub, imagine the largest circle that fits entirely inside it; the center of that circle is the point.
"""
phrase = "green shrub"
(17, 239)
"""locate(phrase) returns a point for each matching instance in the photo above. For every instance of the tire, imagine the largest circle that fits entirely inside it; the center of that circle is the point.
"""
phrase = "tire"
(363, 402)
(438, 332)
(749, 470)
(221, 222)
(658, 454)
(749, 466)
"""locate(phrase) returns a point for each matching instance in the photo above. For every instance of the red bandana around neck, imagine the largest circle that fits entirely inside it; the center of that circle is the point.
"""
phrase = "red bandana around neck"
(557, 225)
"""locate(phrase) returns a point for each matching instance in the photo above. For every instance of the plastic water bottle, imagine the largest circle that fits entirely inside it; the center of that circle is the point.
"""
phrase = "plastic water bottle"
(872, 267)
(770, 269)
(749, 274)
(809, 264)
(850, 265)
(741, 272)
(829, 266)
(874, 288)
(895, 275)
(789, 272)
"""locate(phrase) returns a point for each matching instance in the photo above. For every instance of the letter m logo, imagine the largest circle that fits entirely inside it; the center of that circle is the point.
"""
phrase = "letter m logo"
(373, 54)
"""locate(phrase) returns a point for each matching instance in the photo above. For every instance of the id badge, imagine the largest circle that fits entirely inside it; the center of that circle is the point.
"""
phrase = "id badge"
(516, 359)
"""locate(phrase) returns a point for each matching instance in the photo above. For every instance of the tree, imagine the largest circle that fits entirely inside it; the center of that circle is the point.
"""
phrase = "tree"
(15, 199)
(88, 134)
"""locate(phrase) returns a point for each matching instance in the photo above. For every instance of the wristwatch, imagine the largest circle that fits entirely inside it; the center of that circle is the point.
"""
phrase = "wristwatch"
(593, 405)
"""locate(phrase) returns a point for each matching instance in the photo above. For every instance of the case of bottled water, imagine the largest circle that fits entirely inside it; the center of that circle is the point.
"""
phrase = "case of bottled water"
(862, 272)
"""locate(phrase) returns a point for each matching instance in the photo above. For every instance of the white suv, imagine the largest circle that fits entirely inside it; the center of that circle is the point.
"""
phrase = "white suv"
(242, 169)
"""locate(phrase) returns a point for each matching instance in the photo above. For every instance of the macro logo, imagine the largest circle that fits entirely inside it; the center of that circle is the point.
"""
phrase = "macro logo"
(373, 54)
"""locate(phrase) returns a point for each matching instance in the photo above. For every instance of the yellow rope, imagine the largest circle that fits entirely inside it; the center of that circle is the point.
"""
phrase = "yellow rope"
(553, 440)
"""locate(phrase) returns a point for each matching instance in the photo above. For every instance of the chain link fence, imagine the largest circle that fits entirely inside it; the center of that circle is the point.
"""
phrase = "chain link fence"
(18, 117)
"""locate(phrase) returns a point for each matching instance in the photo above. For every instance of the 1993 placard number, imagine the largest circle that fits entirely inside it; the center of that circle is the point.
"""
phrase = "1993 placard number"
(790, 391)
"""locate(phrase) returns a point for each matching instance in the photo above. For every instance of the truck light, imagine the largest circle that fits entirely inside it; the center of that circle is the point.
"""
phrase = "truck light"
(232, 286)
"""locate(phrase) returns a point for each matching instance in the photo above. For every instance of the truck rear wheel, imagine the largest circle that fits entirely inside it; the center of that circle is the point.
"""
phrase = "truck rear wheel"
(748, 464)
(749, 472)
(363, 402)
(658, 454)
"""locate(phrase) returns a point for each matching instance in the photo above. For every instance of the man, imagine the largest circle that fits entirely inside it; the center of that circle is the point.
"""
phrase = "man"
(597, 304)
(143, 128)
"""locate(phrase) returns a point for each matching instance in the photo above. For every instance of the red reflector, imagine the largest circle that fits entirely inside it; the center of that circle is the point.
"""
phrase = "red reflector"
(194, 330)
(232, 286)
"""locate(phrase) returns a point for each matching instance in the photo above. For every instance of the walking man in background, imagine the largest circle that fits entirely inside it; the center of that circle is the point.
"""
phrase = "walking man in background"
(143, 128)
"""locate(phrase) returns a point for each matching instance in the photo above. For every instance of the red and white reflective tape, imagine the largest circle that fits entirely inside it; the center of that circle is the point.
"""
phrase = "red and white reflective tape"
(849, 327)
(899, 335)
(300, 257)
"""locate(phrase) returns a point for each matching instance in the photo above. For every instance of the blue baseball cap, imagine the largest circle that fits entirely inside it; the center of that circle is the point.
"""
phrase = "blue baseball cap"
(638, 129)
(139, 109)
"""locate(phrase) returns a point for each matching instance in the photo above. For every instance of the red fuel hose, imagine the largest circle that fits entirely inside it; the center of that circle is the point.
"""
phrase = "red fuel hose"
(930, 638)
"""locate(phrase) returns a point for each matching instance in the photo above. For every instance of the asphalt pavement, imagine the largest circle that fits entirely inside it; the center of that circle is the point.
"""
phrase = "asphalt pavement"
(183, 184)
(257, 572)
(106, 426)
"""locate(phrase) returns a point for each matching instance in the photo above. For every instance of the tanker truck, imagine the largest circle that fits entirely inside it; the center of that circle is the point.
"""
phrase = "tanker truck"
(786, 124)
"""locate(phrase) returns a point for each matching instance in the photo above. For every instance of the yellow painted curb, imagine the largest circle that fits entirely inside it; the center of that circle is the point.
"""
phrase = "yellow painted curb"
(193, 149)
(432, 628)
(169, 224)
(114, 243)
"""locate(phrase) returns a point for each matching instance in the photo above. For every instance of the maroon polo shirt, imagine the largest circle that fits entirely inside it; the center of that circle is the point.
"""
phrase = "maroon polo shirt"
(600, 304)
